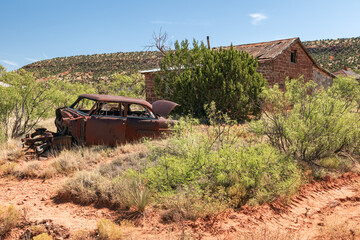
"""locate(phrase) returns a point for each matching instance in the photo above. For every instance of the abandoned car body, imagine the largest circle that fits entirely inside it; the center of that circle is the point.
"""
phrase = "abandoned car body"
(95, 119)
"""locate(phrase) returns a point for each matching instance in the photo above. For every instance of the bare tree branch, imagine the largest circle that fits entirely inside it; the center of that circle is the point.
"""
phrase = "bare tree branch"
(160, 41)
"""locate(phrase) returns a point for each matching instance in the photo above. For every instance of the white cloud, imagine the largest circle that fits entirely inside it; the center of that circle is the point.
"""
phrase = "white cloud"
(10, 63)
(32, 59)
(257, 18)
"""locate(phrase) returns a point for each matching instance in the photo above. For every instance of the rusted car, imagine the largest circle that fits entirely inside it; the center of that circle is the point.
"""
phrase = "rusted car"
(95, 119)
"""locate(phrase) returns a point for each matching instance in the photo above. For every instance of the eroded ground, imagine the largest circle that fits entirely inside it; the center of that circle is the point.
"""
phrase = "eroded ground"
(329, 209)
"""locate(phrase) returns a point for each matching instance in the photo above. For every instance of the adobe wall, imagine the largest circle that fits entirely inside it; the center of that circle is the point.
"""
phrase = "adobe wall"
(282, 67)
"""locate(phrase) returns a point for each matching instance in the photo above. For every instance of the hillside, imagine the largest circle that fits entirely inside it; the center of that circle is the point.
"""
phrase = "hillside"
(334, 54)
(94, 67)
(330, 54)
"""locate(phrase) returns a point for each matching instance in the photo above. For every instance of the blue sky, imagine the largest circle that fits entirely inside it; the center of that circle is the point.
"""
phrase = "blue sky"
(32, 30)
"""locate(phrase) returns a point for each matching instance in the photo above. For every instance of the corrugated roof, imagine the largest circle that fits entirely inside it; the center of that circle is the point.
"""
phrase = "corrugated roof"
(347, 73)
(265, 50)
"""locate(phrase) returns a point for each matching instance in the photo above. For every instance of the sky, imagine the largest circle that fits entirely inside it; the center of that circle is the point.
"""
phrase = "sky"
(33, 30)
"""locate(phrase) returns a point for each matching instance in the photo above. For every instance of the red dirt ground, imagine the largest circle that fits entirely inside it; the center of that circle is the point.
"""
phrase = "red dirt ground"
(322, 210)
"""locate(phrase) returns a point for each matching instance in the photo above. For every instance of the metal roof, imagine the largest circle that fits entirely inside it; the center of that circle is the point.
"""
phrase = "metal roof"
(112, 98)
(265, 50)
(347, 73)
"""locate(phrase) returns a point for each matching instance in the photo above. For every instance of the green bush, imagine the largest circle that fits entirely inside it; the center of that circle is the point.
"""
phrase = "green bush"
(208, 161)
(197, 76)
(310, 123)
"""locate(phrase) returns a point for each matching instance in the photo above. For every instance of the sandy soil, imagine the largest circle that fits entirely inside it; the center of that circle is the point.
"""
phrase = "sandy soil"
(321, 209)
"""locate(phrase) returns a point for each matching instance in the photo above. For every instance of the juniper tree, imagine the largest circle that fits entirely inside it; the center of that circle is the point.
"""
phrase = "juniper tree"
(194, 77)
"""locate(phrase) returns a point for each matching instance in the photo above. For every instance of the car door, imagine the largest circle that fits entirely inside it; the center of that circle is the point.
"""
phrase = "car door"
(141, 122)
(106, 125)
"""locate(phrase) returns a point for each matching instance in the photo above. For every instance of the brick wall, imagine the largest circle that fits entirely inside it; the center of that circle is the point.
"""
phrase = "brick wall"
(150, 88)
(277, 70)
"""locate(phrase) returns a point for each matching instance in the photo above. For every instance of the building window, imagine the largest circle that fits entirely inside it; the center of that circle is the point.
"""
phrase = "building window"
(293, 56)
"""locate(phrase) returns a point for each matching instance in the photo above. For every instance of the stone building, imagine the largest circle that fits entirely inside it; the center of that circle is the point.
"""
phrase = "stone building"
(277, 60)
(347, 73)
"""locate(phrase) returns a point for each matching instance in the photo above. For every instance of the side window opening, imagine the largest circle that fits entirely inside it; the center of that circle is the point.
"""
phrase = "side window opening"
(293, 56)
(84, 105)
(136, 110)
(110, 109)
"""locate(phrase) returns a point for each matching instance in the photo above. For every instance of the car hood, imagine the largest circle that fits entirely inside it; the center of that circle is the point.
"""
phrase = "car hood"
(163, 107)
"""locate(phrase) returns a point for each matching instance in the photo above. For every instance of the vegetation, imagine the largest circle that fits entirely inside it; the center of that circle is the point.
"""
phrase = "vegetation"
(335, 54)
(320, 124)
(26, 101)
(194, 77)
(9, 218)
(43, 236)
(108, 230)
(97, 68)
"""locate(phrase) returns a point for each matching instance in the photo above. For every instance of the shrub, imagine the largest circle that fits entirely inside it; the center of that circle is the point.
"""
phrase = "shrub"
(189, 203)
(82, 188)
(252, 173)
(43, 236)
(108, 230)
(135, 194)
(308, 123)
(8, 168)
(197, 76)
(30, 169)
(9, 218)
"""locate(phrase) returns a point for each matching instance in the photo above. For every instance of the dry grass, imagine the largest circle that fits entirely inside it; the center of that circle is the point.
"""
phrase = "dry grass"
(11, 151)
(108, 230)
(37, 229)
(77, 159)
(337, 228)
(9, 218)
(82, 235)
(30, 169)
(8, 168)
(128, 148)
(267, 234)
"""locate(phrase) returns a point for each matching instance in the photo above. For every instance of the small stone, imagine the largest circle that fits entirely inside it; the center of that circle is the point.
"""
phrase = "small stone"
(334, 204)
(20, 203)
(43, 199)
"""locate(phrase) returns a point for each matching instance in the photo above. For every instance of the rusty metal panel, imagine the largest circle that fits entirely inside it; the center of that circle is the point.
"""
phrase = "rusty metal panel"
(163, 107)
(105, 130)
(137, 128)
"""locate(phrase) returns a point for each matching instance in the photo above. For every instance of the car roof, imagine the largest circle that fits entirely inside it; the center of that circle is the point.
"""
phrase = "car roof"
(112, 98)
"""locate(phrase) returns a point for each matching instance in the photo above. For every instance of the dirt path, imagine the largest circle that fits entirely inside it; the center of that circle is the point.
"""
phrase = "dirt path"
(320, 208)
(35, 197)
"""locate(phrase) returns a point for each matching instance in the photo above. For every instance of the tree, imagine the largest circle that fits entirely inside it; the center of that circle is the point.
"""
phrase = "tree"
(194, 77)
(25, 101)
(160, 41)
